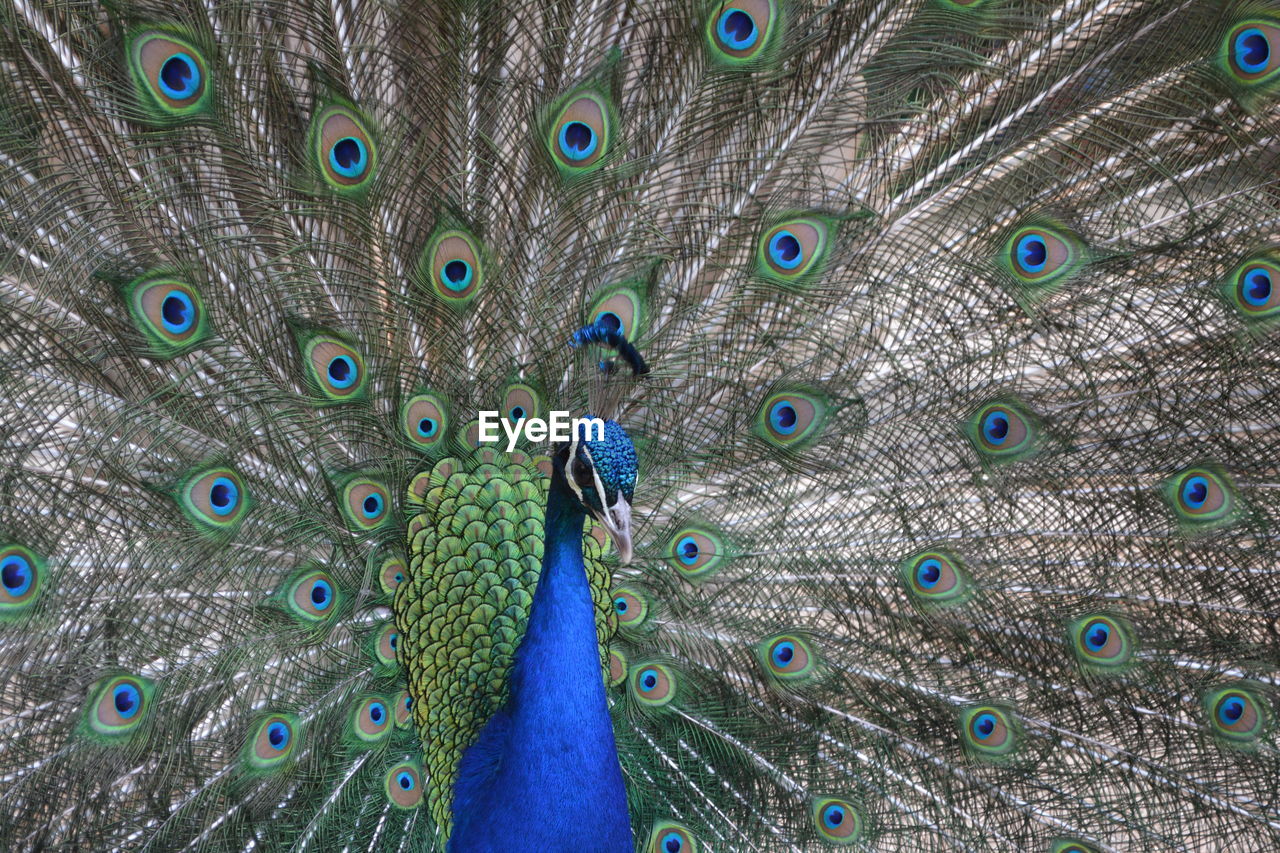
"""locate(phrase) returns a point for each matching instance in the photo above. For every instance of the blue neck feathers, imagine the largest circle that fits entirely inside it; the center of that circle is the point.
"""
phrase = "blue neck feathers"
(544, 774)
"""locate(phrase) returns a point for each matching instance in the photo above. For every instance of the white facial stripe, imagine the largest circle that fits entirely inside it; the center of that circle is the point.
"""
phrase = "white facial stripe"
(573, 454)
(595, 475)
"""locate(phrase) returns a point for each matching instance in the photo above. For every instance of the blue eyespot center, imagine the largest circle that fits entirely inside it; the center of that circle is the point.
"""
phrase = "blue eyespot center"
(648, 680)
(995, 426)
(342, 371)
(984, 725)
(179, 77)
(223, 496)
(427, 427)
(1032, 253)
(1096, 636)
(408, 703)
(687, 549)
(377, 713)
(577, 140)
(620, 604)
(278, 735)
(517, 413)
(348, 157)
(928, 573)
(671, 843)
(1195, 492)
(392, 641)
(457, 275)
(1257, 287)
(1230, 710)
(126, 699)
(736, 29)
(785, 250)
(405, 780)
(611, 321)
(321, 594)
(177, 312)
(1252, 50)
(16, 574)
(399, 577)
(833, 816)
(783, 417)
(372, 505)
(783, 653)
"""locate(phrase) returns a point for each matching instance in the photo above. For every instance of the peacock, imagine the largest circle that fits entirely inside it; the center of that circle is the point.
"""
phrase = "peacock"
(723, 425)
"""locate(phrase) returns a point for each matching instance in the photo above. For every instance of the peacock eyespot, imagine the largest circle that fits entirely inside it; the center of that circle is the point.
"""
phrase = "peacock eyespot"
(403, 709)
(1102, 642)
(371, 720)
(1003, 431)
(619, 308)
(403, 785)
(696, 552)
(580, 134)
(1253, 289)
(168, 313)
(653, 685)
(365, 504)
(271, 743)
(119, 705)
(837, 821)
(1201, 496)
(988, 731)
(384, 645)
(392, 574)
(214, 500)
(1236, 715)
(171, 75)
(334, 370)
(423, 420)
(667, 837)
(739, 31)
(630, 606)
(617, 667)
(343, 149)
(1042, 256)
(521, 402)
(787, 657)
(792, 250)
(453, 267)
(312, 597)
(935, 579)
(1253, 51)
(21, 576)
(791, 419)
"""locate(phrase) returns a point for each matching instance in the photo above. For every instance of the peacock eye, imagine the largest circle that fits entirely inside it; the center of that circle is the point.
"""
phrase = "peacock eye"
(580, 136)
(740, 30)
(402, 785)
(582, 474)
(170, 74)
(344, 150)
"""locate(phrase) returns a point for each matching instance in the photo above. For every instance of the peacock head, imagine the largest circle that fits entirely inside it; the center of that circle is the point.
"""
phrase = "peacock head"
(600, 468)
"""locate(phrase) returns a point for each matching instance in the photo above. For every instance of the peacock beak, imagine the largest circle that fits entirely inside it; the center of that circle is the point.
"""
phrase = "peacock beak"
(617, 520)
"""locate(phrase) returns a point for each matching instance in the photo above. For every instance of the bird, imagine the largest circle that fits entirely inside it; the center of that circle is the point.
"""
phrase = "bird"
(886, 421)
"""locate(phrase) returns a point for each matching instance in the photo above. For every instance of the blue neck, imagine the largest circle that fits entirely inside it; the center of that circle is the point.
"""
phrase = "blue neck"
(544, 773)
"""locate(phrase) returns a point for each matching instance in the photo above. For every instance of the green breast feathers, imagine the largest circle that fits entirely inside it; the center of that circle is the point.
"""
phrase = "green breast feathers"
(476, 552)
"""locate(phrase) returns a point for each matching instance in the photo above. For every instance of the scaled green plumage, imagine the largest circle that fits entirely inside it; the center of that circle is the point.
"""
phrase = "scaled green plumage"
(475, 545)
